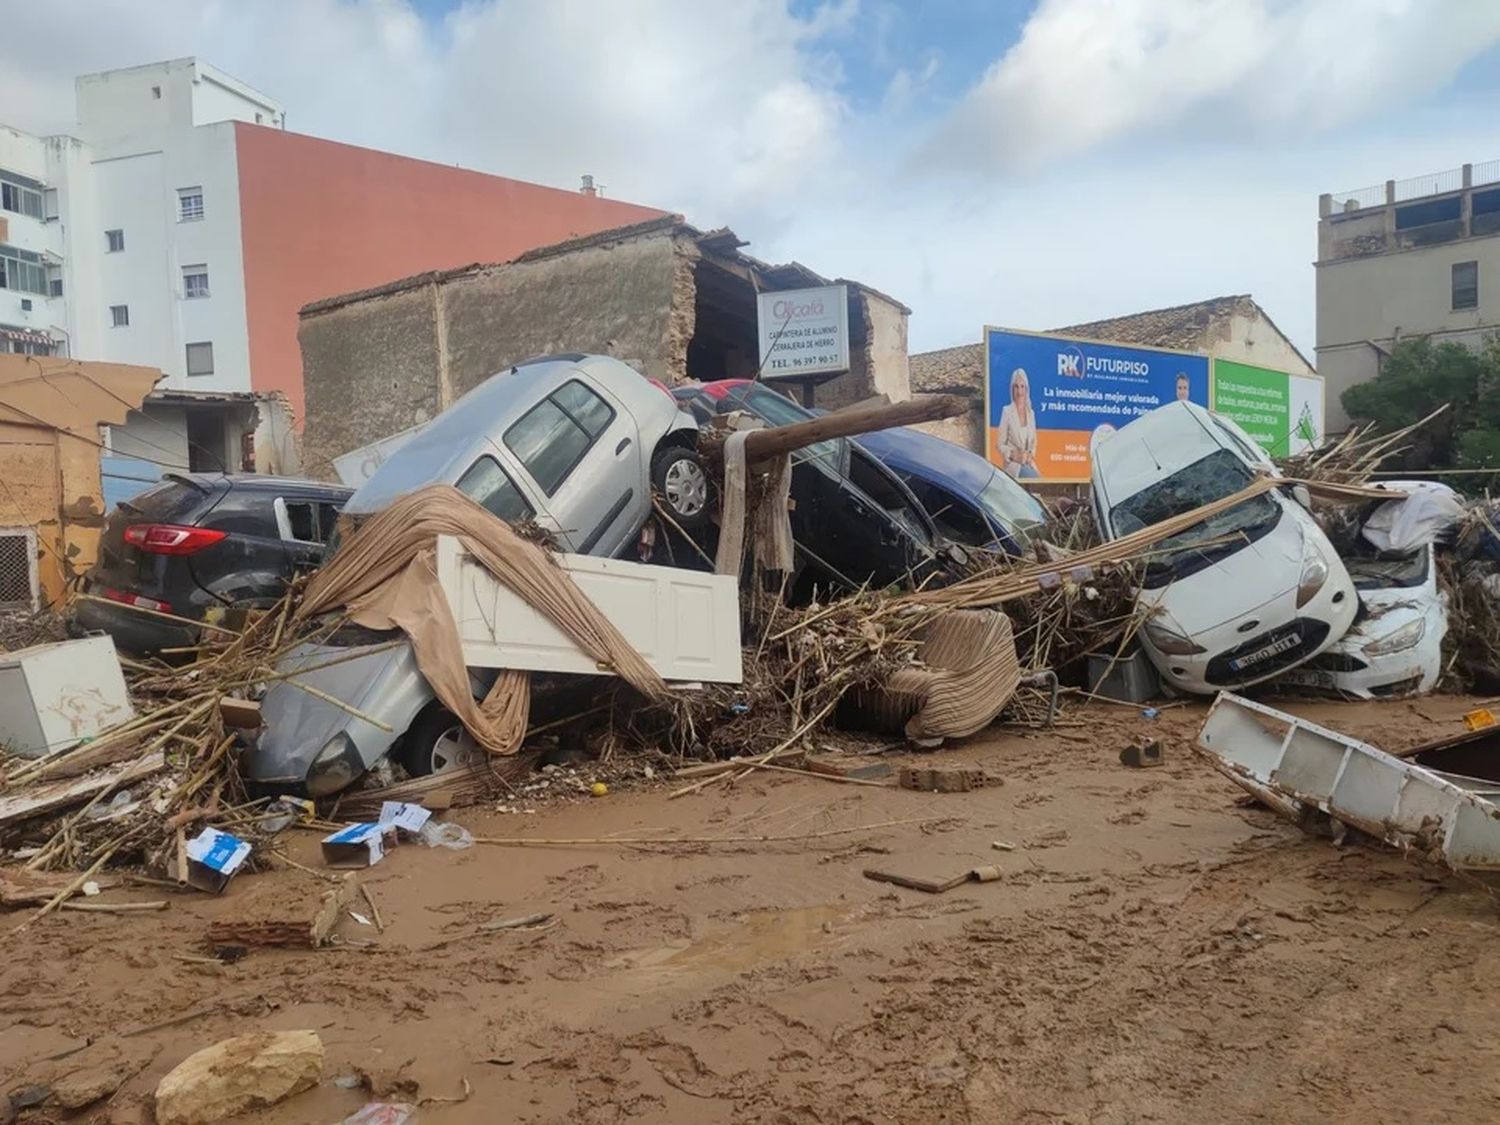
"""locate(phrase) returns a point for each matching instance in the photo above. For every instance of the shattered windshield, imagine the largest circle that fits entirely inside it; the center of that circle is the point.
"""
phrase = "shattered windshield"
(1389, 573)
(1212, 478)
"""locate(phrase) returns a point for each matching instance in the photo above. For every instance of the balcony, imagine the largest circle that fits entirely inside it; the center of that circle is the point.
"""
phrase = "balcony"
(1424, 210)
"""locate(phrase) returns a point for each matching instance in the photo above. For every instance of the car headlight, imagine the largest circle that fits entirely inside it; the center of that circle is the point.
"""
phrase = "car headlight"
(1314, 574)
(1398, 639)
(1165, 634)
(333, 768)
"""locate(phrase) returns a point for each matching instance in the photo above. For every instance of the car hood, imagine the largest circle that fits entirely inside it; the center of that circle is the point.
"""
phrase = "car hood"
(1256, 579)
(379, 681)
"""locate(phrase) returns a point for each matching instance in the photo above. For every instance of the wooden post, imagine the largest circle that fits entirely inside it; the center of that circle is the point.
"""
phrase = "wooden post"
(762, 445)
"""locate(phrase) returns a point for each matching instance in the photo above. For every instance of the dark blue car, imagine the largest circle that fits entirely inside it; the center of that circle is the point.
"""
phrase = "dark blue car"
(970, 500)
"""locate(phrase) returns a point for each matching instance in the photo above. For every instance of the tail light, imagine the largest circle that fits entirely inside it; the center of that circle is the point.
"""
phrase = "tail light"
(171, 539)
(127, 598)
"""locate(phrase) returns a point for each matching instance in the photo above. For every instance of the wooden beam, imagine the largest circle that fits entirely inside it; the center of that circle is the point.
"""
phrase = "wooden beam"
(764, 444)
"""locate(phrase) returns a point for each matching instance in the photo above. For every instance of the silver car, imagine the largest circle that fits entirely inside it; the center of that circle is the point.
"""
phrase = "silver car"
(574, 442)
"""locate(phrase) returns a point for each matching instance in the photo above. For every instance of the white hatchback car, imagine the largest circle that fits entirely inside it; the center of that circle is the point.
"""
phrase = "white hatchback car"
(1241, 597)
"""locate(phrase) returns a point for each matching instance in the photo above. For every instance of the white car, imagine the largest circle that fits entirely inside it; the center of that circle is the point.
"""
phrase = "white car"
(1395, 646)
(1241, 597)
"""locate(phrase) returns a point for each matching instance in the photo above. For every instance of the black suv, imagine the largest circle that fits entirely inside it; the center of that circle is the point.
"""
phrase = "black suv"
(196, 542)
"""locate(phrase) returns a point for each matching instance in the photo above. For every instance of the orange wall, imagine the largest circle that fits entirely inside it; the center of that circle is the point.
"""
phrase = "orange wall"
(320, 218)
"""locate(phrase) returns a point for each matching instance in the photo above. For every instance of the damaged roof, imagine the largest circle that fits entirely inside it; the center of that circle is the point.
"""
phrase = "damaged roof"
(721, 242)
(1181, 327)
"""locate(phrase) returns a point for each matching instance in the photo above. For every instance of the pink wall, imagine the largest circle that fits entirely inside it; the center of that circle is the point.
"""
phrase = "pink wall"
(320, 218)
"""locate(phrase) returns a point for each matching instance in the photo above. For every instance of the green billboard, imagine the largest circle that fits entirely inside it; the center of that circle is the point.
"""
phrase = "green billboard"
(1281, 411)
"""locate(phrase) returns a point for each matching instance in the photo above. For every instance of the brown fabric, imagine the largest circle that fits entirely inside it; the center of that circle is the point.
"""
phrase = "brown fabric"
(771, 523)
(968, 674)
(386, 577)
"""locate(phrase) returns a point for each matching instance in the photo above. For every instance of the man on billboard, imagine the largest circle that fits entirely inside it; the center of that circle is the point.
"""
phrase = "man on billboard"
(1017, 431)
(1183, 386)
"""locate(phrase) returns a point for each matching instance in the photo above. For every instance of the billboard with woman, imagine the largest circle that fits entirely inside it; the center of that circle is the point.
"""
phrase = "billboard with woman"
(1047, 395)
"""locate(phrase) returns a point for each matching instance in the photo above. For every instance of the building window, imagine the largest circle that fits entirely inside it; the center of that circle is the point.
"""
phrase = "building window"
(189, 204)
(156, 92)
(119, 316)
(194, 282)
(200, 359)
(22, 198)
(22, 270)
(114, 241)
(1465, 285)
(54, 285)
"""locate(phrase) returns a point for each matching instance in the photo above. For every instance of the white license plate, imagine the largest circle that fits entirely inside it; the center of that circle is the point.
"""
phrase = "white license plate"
(1275, 648)
(1303, 677)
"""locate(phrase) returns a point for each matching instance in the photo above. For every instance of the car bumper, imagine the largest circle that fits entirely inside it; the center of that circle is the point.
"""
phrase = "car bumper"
(131, 630)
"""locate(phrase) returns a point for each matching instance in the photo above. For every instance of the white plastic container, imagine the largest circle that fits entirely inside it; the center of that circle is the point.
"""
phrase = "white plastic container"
(54, 696)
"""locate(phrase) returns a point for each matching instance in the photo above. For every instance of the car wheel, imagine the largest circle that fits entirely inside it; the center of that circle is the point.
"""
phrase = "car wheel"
(679, 477)
(439, 743)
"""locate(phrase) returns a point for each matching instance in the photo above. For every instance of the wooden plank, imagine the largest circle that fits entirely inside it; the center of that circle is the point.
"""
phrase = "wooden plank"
(761, 445)
(41, 799)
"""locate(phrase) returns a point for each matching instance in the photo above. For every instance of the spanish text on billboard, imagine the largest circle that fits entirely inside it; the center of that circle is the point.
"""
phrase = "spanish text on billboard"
(1048, 396)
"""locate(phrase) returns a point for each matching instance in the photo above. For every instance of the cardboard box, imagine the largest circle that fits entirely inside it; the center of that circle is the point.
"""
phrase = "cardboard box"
(359, 845)
(213, 858)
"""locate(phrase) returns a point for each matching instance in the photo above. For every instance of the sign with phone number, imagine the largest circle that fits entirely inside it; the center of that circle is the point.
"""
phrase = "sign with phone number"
(804, 332)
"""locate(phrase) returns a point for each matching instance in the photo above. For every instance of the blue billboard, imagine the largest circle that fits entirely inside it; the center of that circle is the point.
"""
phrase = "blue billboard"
(1046, 395)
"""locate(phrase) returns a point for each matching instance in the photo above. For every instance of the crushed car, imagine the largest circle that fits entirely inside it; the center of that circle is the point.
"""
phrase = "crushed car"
(1395, 646)
(854, 521)
(573, 443)
(1241, 597)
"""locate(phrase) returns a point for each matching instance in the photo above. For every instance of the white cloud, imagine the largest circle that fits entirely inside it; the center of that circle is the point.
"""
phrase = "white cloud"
(1123, 154)
(1086, 73)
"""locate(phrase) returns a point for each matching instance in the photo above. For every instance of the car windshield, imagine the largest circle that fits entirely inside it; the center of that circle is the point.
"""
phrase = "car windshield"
(1389, 572)
(1010, 507)
(1211, 478)
(778, 410)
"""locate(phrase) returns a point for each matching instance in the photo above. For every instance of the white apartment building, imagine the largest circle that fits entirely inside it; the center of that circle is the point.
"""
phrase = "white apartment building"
(1407, 258)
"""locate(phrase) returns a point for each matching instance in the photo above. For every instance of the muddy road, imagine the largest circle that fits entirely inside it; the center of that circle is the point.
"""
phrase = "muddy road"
(1153, 951)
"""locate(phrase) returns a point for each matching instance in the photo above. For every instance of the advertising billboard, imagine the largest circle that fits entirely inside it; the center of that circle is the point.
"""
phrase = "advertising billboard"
(804, 332)
(1046, 396)
(1281, 411)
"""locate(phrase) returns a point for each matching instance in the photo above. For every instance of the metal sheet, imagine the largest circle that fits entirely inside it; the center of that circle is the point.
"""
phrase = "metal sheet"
(1441, 818)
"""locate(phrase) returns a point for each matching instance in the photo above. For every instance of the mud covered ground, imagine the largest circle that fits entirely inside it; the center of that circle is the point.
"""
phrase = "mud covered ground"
(1154, 952)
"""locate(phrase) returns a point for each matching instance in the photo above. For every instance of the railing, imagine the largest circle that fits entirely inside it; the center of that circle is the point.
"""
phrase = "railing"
(1487, 173)
(1359, 199)
(1432, 183)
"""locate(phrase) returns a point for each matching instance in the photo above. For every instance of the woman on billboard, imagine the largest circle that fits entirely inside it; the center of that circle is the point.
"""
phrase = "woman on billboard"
(1017, 438)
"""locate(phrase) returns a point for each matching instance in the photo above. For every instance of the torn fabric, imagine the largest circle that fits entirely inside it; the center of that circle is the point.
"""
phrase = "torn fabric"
(385, 576)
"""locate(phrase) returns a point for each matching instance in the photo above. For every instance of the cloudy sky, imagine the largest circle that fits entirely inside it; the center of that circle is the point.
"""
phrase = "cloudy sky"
(1027, 164)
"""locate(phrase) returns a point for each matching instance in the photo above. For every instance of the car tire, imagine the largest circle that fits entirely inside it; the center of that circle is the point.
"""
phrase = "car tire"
(438, 743)
(679, 478)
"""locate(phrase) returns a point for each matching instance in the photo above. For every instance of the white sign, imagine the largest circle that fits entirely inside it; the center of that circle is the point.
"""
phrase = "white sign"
(804, 332)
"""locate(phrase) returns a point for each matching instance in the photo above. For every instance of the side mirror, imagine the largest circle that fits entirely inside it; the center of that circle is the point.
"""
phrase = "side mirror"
(957, 555)
(1302, 496)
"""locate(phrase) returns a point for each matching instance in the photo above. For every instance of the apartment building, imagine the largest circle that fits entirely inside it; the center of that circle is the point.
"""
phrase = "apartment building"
(1414, 257)
(180, 226)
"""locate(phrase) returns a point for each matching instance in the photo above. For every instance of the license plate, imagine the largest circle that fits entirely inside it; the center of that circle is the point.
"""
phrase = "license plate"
(1303, 677)
(1275, 648)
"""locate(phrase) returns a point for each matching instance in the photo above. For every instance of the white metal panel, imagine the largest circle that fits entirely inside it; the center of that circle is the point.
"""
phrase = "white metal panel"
(55, 695)
(1308, 766)
(684, 622)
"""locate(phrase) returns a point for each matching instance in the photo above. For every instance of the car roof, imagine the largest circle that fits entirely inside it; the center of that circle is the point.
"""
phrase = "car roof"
(450, 442)
(264, 482)
(931, 458)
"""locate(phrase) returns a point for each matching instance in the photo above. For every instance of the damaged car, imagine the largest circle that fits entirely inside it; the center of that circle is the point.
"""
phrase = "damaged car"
(1237, 598)
(575, 444)
(1395, 646)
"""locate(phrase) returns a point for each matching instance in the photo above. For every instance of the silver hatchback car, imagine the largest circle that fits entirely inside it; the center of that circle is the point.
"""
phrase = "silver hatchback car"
(576, 443)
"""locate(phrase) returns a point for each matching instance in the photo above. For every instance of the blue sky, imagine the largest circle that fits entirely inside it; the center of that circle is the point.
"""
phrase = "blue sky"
(1027, 163)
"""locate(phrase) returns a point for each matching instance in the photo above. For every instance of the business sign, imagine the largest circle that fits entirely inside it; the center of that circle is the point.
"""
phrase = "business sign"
(1281, 411)
(1047, 396)
(804, 332)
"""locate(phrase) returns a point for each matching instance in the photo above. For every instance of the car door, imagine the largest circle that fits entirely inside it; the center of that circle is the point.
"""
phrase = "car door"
(304, 525)
(580, 451)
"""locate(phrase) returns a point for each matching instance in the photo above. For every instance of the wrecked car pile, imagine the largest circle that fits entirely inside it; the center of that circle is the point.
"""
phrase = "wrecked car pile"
(406, 668)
